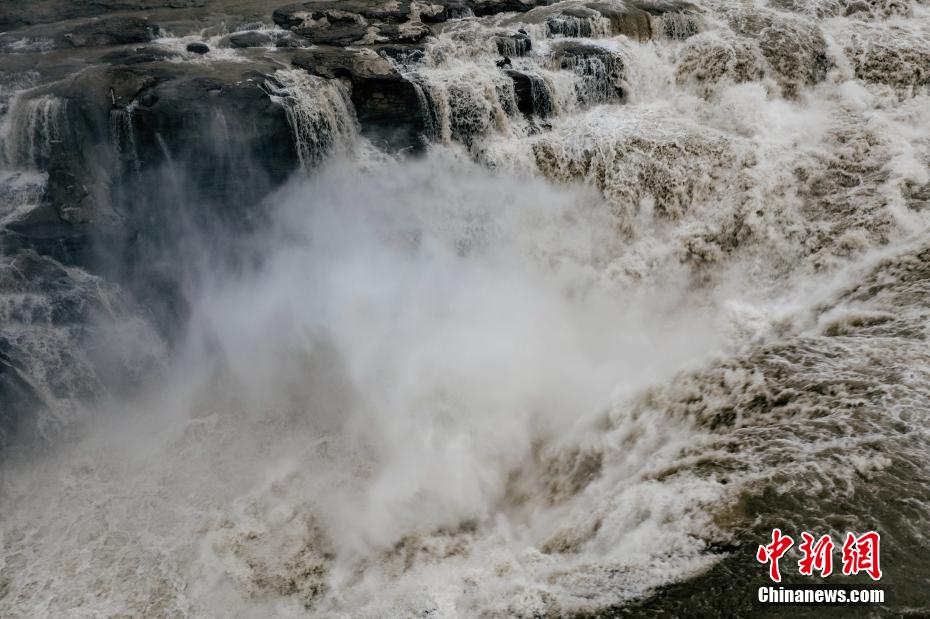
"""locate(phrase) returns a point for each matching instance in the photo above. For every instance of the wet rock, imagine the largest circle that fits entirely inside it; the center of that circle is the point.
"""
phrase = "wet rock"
(94, 32)
(576, 22)
(602, 70)
(592, 20)
(532, 92)
(20, 400)
(335, 33)
(367, 22)
(359, 11)
(401, 54)
(797, 53)
(59, 352)
(639, 20)
(867, 9)
(18, 14)
(678, 19)
(409, 32)
(794, 49)
(458, 10)
(333, 62)
(74, 127)
(111, 31)
(516, 44)
(219, 122)
(253, 38)
(198, 48)
(387, 104)
(898, 57)
(351, 22)
(139, 55)
(289, 40)
(493, 7)
(706, 61)
(212, 128)
(264, 38)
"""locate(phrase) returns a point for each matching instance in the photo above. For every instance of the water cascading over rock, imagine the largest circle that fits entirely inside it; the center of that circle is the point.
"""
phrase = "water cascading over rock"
(350, 315)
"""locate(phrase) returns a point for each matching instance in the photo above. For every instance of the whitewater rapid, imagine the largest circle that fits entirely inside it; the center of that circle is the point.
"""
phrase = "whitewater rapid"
(560, 362)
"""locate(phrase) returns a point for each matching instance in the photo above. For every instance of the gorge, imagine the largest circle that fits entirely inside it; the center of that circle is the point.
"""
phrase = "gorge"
(314, 310)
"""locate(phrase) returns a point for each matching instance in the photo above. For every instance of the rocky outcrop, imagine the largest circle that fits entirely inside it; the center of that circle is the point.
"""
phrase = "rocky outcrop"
(639, 20)
(19, 398)
(17, 14)
(358, 22)
(111, 31)
(122, 125)
(64, 322)
(94, 32)
(387, 104)
(532, 93)
(602, 70)
(794, 49)
(705, 62)
(514, 44)
(265, 38)
(139, 55)
(493, 7)
(133, 137)
(368, 22)
(900, 59)
(125, 109)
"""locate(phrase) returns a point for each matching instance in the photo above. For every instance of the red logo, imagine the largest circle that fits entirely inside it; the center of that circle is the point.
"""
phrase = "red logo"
(860, 554)
(773, 552)
(817, 556)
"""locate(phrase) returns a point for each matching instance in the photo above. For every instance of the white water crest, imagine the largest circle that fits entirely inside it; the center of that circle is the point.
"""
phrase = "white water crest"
(563, 360)
(320, 114)
(29, 130)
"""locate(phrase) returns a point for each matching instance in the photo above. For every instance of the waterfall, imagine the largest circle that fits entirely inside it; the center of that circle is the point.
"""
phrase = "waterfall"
(586, 26)
(677, 25)
(123, 139)
(467, 101)
(320, 113)
(30, 130)
(658, 283)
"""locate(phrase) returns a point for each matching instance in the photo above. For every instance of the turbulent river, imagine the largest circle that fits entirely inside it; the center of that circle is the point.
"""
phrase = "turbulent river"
(572, 362)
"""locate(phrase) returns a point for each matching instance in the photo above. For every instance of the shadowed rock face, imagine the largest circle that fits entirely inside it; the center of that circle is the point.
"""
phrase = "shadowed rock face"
(14, 13)
(532, 96)
(255, 38)
(603, 70)
(515, 44)
(385, 102)
(212, 123)
(794, 49)
(93, 32)
(359, 21)
(125, 106)
(18, 397)
(631, 19)
(366, 22)
(140, 117)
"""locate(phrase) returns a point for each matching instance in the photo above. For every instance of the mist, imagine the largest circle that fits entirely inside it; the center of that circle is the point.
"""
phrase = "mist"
(389, 329)
(406, 347)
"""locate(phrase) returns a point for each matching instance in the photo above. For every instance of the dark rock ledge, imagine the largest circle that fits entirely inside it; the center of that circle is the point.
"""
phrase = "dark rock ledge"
(152, 140)
(130, 107)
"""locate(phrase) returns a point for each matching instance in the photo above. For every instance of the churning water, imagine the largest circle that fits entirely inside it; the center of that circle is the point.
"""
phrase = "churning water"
(567, 359)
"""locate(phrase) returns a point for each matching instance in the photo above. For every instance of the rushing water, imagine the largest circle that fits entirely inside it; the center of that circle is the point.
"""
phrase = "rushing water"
(571, 361)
